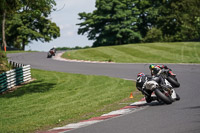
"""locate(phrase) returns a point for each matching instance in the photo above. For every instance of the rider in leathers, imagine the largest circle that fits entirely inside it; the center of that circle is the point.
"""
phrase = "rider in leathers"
(142, 80)
(156, 69)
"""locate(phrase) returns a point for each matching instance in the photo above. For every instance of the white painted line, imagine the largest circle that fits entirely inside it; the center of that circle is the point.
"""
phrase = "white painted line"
(118, 112)
(58, 57)
(77, 125)
(138, 103)
(101, 118)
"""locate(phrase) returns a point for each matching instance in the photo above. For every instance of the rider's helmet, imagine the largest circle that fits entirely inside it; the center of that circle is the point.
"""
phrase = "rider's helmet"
(155, 69)
(140, 81)
(140, 74)
(151, 66)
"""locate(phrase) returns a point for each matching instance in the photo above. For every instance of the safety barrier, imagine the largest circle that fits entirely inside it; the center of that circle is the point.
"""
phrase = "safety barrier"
(15, 77)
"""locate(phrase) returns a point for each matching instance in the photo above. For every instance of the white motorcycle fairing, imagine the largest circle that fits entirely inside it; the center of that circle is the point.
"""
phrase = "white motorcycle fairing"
(151, 85)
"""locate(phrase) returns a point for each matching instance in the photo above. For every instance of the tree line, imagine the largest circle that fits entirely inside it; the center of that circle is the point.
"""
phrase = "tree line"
(116, 22)
(23, 21)
(72, 48)
(113, 22)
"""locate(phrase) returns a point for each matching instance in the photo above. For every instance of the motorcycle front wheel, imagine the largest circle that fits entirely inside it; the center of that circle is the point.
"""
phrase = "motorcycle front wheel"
(160, 95)
(49, 55)
(173, 82)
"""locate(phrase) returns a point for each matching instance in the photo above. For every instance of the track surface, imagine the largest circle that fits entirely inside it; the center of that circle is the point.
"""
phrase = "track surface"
(180, 117)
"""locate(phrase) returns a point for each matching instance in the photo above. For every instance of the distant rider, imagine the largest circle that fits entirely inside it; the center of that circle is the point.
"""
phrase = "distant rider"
(53, 49)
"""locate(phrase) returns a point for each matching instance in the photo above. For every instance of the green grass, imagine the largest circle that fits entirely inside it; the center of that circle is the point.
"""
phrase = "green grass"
(180, 52)
(56, 99)
(18, 51)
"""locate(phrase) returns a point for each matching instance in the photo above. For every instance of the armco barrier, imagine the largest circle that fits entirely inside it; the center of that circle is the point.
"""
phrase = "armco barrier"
(14, 77)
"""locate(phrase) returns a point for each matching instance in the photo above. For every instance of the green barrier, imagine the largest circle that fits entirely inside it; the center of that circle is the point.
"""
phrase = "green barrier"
(2, 75)
(3, 83)
(19, 82)
(13, 77)
(3, 86)
(3, 90)
(2, 78)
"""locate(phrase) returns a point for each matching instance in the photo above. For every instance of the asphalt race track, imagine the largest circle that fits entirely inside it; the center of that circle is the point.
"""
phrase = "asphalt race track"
(180, 117)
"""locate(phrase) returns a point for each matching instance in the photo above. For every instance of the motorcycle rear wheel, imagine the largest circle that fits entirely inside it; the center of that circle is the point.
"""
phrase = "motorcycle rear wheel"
(163, 97)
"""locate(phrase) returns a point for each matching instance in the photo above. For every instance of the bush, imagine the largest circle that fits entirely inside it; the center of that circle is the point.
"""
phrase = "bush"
(153, 35)
(4, 65)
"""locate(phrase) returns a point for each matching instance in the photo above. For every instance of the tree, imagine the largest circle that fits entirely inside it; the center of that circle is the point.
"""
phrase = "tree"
(6, 7)
(177, 19)
(117, 22)
(144, 21)
(153, 35)
(190, 20)
(112, 23)
(30, 22)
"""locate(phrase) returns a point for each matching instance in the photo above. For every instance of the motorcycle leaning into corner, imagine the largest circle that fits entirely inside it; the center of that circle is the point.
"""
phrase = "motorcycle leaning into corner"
(51, 53)
(159, 85)
(166, 73)
(170, 77)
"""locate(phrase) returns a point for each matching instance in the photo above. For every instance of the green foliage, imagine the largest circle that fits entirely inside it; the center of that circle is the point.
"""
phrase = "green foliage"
(147, 15)
(178, 19)
(26, 29)
(112, 23)
(30, 22)
(127, 21)
(9, 6)
(4, 65)
(73, 48)
(153, 35)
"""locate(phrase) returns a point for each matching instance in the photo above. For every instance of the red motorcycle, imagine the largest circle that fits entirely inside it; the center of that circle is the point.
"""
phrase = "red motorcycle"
(51, 53)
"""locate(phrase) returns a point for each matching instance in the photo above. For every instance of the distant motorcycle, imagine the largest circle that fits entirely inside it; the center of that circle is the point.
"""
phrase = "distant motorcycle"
(51, 53)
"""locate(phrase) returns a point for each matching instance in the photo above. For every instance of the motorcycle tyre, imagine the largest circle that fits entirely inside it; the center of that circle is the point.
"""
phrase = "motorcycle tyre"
(163, 97)
(174, 82)
(177, 97)
(49, 56)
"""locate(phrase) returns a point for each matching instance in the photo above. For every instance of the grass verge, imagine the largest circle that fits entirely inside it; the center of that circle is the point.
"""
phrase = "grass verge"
(179, 52)
(4, 65)
(18, 51)
(56, 99)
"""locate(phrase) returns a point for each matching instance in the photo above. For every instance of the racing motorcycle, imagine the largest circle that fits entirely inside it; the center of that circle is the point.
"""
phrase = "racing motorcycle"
(50, 53)
(161, 85)
(170, 77)
(164, 93)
